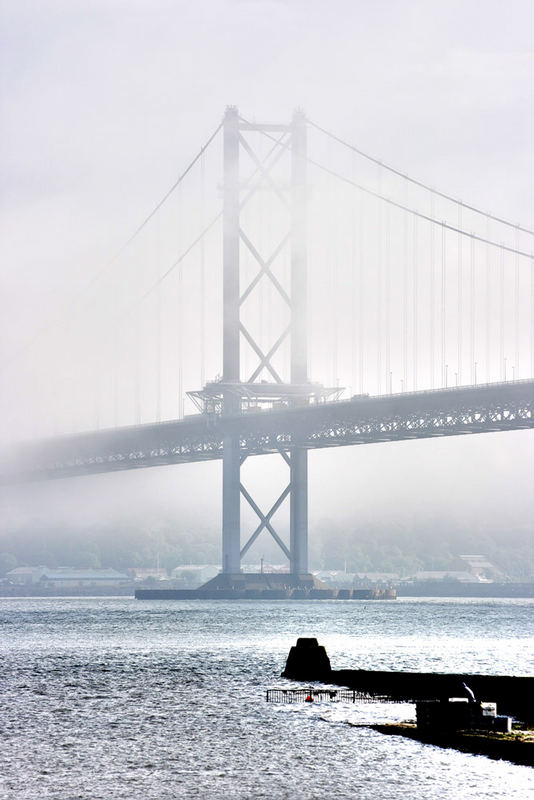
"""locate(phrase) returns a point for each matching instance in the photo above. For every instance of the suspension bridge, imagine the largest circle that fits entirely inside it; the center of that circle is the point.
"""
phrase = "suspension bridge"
(356, 303)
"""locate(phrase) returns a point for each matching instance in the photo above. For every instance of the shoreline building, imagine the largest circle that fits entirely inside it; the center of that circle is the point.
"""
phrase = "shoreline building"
(67, 577)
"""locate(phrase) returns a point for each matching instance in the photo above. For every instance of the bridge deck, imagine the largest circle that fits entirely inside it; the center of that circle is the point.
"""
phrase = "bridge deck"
(364, 420)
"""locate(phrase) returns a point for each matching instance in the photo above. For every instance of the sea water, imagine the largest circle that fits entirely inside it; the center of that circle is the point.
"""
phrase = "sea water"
(118, 698)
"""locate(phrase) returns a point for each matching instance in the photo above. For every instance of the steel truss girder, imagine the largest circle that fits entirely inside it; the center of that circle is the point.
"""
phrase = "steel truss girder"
(422, 415)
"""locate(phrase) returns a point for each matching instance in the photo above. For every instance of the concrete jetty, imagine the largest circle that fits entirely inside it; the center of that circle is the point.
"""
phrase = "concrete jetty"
(308, 661)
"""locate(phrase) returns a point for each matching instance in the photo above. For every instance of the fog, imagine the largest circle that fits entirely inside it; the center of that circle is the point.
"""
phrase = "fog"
(103, 106)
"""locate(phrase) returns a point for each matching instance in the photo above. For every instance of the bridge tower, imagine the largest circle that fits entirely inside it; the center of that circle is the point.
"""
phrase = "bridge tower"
(234, 393)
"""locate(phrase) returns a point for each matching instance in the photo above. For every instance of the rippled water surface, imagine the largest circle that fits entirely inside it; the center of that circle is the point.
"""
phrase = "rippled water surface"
(116, 698)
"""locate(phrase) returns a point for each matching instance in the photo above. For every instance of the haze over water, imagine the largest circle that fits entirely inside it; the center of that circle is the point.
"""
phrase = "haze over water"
(113, 698)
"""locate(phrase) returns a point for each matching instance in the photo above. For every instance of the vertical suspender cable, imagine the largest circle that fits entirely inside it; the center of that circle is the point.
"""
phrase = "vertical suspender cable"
(387, 269)
(158, 322)
(488, 305)
(443, 304)
(261, 285)
(268, 297)
(285, 352)
(432, 343)
(68, 421)
(531, 321)
(379, 291)
(472, 316)
(405, 307)
(180, 309)
(334, 305)
(136, 346)
(354, 286)
(96, 383)
(501, 319)
(415, 290)
(137, 399)
(115, 357)
(516, 371)
(361, 327)
(202, 278)
(460, 294)
(179, 313)
(94, 393)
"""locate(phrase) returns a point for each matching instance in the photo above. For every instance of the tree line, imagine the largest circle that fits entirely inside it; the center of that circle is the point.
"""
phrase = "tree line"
(403, 549)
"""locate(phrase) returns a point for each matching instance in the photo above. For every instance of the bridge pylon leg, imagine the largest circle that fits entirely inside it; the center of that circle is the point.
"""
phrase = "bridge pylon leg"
(231, 562)
(231, 540)
(299, 341)
(298, 542)
(233, 389)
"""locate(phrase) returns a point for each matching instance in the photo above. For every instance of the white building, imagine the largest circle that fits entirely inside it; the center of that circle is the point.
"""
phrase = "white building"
(25, 576)
(66, 577)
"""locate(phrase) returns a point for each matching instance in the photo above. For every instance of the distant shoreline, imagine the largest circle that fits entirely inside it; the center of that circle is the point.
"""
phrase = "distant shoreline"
(423, 589)
(89, 591)
(456, 589)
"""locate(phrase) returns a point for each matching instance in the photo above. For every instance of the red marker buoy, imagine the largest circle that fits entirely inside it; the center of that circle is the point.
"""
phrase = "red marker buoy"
(309, 699)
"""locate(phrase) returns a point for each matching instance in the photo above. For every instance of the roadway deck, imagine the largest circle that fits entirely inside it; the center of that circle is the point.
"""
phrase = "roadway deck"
(362, 420)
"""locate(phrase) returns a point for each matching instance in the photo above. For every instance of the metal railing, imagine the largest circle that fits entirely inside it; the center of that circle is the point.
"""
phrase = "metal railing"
(325, 695)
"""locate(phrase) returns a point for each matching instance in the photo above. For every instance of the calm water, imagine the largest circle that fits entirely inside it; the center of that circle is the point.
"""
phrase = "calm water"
(113, 698)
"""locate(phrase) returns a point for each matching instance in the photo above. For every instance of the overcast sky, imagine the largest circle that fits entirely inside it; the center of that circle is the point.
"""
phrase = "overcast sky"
(103, 103)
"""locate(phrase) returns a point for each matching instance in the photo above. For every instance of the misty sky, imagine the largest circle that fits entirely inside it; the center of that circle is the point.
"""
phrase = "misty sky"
(103, 103)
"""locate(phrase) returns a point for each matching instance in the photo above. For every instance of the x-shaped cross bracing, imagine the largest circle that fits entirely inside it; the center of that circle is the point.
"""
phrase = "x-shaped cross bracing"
(283, 148)
(265, 171)
(265, 519)
(265, 359)
(265, 268)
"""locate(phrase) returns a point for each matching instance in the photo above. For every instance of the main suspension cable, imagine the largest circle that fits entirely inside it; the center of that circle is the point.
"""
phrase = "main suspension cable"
(419, 214)
(173, 188)
(201, 235)
(67, 307)
(433, 221)
(420, 183)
